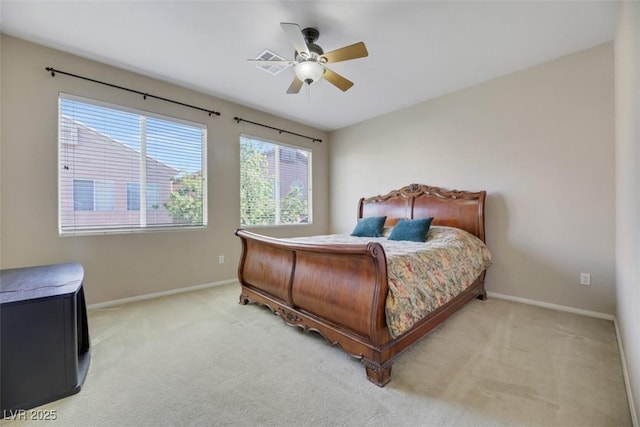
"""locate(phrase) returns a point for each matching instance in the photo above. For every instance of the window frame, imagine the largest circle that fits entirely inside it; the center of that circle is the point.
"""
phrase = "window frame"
(63, 138)
(308, 189)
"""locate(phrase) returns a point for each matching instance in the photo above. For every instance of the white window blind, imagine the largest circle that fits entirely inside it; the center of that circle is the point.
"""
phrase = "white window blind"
(109, 154)
(275, 183)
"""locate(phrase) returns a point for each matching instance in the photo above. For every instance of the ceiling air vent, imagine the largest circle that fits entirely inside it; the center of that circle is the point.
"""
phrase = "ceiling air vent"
(267, 55)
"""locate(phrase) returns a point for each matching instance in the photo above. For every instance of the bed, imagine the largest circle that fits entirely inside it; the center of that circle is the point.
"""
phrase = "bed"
(341, 290)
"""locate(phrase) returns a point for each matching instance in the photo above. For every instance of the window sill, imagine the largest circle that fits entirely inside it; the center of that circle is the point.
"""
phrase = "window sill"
(129, 231)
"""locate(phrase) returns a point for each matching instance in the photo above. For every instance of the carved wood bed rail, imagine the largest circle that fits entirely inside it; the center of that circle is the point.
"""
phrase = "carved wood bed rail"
(340, 290)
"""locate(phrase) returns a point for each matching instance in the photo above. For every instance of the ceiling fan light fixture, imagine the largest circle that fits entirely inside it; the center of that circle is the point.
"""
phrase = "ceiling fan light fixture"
(309, 71)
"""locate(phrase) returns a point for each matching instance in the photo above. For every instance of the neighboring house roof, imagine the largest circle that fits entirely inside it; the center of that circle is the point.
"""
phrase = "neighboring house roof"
(76, 133)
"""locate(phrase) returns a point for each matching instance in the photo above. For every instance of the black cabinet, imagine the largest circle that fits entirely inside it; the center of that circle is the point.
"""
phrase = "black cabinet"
(44, 337)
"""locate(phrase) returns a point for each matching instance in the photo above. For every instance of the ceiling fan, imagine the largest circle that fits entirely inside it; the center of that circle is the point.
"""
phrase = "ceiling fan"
(310, 61)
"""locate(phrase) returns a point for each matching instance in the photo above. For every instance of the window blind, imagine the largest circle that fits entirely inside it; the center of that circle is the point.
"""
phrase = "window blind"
(275, 183)
(123, 170)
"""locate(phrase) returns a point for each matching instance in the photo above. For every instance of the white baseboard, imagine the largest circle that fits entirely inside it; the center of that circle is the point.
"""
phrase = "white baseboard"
(553, 306)
(113, 303)
(625, 373)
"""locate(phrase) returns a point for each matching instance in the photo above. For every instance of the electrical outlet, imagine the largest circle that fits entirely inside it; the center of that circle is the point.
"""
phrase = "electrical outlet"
(221, 259)
(585, 279)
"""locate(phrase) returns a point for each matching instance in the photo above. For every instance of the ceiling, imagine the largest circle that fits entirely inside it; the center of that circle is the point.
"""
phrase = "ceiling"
(418, 50)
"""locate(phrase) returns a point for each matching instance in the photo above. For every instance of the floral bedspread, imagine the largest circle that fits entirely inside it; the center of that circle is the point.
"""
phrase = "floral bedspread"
(423, 276)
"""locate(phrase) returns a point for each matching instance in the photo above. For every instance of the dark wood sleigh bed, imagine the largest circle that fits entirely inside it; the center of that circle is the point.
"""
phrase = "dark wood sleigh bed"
(339, 290)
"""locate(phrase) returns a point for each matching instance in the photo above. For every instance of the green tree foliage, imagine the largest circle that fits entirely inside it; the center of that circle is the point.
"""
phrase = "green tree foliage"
(185, 200)
(257, 206)
(292, 207)
(257, 187)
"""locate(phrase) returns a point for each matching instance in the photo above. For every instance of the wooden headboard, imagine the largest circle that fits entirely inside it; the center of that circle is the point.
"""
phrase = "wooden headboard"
(453, 208)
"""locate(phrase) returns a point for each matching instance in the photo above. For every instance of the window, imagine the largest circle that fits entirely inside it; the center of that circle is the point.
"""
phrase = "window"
(275, 183)
(107, 154)
(133, 196)
(90, 195)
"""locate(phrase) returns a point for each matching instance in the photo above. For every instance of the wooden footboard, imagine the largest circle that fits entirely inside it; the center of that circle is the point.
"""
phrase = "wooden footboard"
(346, 284)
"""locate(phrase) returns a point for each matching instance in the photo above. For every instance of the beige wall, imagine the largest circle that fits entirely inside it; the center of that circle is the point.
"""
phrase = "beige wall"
(627, 78)
(121, 266)
(540, 141)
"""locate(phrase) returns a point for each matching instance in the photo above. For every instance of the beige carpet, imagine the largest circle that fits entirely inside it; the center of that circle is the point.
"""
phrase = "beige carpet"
(201, 359)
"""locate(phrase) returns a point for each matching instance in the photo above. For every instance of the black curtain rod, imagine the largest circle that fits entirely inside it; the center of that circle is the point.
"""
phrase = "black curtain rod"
(53, 72)
(238, 120)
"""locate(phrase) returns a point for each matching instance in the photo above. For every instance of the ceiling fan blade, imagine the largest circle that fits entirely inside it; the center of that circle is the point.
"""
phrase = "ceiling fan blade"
(296, 85)
(294, 34)
(337, 80)
(356, 50)
(271, 62)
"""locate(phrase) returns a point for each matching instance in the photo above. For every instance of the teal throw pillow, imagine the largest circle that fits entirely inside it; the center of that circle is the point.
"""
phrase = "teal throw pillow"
(414, 230)
(369, 227)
